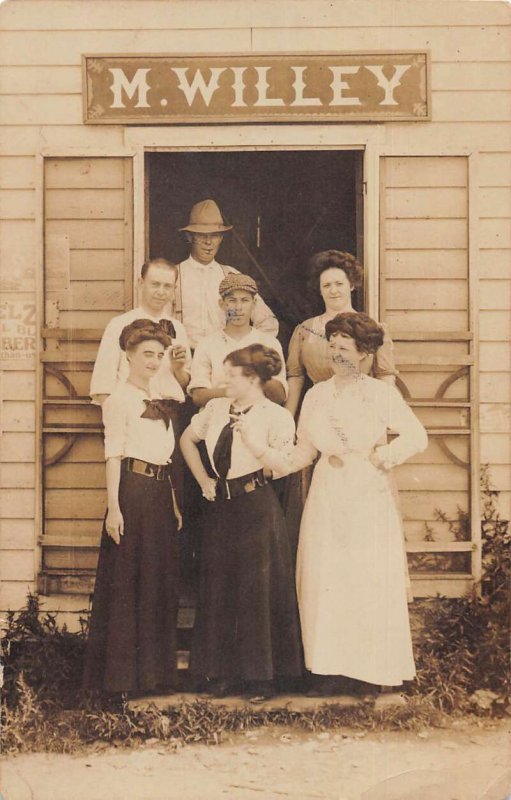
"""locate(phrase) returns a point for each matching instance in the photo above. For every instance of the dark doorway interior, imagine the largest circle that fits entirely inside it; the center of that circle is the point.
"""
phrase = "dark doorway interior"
(284, 205)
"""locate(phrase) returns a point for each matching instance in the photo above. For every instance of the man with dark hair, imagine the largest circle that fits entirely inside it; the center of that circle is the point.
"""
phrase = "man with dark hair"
(156, 291)
(196, 296)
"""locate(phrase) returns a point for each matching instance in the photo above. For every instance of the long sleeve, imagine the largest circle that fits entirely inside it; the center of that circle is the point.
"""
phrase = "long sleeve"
(412, 437)
(295, 368)
(304, 452)
(384, 362)
(182, 338)
(106, 367)
(201, 370)
(263, 317)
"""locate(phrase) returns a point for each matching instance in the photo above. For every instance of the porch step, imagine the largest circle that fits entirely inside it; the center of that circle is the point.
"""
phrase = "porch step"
(298, 702)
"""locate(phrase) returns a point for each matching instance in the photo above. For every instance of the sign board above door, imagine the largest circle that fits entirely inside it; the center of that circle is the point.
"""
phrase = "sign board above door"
(330, 87)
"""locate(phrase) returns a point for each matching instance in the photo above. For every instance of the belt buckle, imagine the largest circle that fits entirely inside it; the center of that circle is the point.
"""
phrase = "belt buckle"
(249, 486)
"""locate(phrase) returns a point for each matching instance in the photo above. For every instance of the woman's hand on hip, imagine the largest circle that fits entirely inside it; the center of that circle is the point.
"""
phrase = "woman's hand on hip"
(115, 524)
(209, 489)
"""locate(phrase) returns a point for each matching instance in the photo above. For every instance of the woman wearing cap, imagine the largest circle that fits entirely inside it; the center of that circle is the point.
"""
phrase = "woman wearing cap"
(237, 301)
(350, 579)
(132, 639)
(246, 630)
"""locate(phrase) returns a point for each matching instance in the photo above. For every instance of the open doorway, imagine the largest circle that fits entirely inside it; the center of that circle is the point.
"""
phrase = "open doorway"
(284, 205)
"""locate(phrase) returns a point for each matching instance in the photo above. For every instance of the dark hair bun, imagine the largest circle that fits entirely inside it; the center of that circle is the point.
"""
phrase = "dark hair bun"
(256, 359)
(143, 330)
(267, 362)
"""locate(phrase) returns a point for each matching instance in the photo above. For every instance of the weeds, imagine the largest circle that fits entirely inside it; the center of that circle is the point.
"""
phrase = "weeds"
(461, 648)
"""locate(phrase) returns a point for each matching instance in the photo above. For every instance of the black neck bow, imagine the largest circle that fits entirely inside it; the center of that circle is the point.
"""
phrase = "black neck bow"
(167, 327)
(159, 409)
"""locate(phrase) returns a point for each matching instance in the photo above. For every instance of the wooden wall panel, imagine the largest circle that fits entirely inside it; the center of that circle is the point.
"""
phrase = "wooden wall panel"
(17, 534)
(68, 15)
(88, 227)
(17, 172)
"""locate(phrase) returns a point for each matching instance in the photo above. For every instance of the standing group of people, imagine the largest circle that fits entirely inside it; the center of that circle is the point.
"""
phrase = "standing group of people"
(345, 614)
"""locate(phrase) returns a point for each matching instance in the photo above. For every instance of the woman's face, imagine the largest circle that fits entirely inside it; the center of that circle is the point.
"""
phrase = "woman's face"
(345, 356)
(144, 360)
(236, 383)
(335, 289)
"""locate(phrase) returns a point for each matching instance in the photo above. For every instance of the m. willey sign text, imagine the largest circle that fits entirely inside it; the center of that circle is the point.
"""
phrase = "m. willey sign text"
(255, 88)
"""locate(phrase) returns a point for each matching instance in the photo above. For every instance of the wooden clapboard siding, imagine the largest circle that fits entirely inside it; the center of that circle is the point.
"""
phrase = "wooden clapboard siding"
(40, 81)
(88, 211)
(494, 171)
(417, 303)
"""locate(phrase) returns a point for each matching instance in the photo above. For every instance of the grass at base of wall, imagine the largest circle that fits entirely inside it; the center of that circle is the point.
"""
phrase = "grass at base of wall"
(461, 652)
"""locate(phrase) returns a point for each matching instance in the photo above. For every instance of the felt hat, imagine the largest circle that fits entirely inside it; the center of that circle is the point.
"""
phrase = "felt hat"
(205, 217)
(234, 281)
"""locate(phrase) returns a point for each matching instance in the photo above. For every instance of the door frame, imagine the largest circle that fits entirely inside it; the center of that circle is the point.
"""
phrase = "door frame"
(368, 139)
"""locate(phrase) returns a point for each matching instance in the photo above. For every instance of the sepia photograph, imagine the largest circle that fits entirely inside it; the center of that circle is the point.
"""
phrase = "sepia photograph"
(255, 399)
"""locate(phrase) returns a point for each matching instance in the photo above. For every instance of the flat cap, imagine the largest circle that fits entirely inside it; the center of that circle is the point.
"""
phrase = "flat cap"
(236, 280)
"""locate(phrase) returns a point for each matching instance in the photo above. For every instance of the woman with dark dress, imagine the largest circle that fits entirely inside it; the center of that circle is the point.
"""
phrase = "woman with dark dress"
(246, 630)
(132, 640)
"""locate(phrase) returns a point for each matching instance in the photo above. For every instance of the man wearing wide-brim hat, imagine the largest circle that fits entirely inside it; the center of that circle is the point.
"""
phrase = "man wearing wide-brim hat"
(196, 297)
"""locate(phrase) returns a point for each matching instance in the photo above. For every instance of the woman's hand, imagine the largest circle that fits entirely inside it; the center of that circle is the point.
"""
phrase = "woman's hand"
(115, 524)
(377, 461)
(250, 436)
(209, 489)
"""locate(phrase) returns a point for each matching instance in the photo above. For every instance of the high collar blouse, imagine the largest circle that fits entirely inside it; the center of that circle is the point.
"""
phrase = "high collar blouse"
(128, 434)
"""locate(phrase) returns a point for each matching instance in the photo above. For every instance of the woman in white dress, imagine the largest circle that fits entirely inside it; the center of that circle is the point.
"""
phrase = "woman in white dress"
(350, 579)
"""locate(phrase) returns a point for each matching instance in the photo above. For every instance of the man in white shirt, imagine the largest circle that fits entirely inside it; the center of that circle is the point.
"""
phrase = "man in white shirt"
(238, 296)
(196, 297)
(157, 286)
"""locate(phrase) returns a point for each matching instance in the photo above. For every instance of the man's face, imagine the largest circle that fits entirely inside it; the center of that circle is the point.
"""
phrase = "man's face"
(238, 306)
(157, 288)
(204, 246)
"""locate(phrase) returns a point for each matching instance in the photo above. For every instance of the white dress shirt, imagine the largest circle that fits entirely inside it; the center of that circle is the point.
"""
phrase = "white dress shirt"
(275, 424)
(197, 296)
(112, 367)
(128, 434)
(208, 371)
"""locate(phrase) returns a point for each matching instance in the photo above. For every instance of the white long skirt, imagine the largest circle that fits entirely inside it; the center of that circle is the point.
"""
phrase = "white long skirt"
(350, 579)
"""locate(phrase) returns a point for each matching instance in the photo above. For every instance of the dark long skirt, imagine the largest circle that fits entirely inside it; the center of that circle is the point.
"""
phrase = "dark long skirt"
(132, 639)
(247, 624)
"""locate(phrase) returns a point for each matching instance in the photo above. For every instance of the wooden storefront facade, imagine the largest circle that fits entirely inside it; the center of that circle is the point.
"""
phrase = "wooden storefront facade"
(426, 204)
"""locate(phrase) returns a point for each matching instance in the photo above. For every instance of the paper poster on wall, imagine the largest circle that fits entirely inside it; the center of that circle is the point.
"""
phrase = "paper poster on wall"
(17, 332)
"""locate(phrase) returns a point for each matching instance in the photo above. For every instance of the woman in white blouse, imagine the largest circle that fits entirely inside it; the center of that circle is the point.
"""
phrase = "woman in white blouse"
(350, 579)
(132, 639)
(246, 630)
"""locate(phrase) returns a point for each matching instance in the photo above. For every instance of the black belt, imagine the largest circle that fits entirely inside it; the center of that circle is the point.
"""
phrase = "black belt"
(159, 471)
(234, 487)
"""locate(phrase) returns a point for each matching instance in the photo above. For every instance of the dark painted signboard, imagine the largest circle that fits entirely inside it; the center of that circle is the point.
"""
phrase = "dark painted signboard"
(165, 90)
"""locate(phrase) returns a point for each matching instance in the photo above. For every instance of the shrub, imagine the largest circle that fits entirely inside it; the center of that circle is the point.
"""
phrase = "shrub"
(464, 643)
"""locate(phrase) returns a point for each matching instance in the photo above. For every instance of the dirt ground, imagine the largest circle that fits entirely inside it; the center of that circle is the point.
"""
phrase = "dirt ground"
(465, 761)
